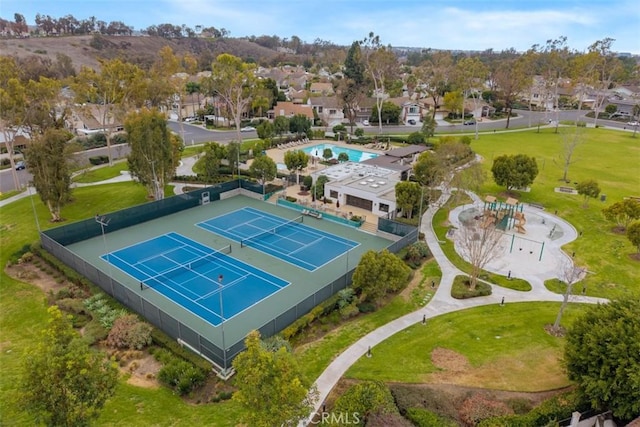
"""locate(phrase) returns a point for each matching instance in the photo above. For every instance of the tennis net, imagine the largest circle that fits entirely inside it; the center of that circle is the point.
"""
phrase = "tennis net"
(275, 230)
(182, 268)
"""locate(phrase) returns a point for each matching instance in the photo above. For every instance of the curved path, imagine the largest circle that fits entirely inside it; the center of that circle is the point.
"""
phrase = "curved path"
(441, 303)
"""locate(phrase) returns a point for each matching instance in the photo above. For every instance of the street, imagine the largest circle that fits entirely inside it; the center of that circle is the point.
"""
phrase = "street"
(195, 134)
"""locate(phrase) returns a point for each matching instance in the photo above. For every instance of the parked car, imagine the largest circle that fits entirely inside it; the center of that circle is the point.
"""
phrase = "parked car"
(633, 123)
(20, 165)
(365, 123)
(247, 129)
(470, 122)
(411, 122)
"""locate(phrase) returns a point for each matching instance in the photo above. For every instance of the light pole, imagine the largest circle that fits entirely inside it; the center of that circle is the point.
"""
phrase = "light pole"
(224, 347)
(104, 222)
(33, 207)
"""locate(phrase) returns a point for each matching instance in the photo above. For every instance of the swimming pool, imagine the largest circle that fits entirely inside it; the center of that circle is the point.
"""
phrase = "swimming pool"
(354, 155)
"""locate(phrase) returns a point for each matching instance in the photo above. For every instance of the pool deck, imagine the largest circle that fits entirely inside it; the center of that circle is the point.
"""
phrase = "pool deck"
(277, 155)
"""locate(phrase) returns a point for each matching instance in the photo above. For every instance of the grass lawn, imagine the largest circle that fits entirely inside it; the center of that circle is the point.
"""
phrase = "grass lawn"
(101, 173)
(495, 347)
(609, 157)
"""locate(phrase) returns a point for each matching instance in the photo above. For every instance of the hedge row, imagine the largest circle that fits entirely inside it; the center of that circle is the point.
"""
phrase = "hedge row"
(99, 160)
(303, 322)
(550, 411)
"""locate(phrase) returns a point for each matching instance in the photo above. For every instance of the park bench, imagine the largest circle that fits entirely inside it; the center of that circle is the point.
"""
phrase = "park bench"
(537, 205)
(567, 189)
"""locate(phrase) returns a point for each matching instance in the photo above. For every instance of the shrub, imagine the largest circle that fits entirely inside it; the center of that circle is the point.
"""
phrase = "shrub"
(416, 138)
(130, 333)
(460, 288)
(424, 418)
(349, 311)
(94, 332)
(477, 408)
(366, 307)
(98, 160)
(179, 375)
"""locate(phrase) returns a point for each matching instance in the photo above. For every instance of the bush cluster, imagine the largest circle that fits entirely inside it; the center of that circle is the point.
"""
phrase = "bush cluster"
(99, 307)
(460, 288)
(178, 374)
(129, 332)
(99, 160)
(424, 418)
(550, 411)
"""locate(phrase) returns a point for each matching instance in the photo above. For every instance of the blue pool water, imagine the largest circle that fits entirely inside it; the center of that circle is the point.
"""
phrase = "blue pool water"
(354, 155)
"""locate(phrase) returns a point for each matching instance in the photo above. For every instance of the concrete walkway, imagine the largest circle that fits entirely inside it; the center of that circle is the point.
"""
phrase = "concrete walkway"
(441, 303)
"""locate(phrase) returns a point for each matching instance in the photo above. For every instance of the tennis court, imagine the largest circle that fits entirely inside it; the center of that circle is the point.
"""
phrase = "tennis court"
(287, 239)
(193, 275)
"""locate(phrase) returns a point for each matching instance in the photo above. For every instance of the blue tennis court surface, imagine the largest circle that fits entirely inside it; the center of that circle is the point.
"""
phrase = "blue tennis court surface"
(291, 241)
(193, 275)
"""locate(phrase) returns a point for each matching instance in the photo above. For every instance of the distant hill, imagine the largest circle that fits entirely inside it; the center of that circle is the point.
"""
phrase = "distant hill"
(87, 49)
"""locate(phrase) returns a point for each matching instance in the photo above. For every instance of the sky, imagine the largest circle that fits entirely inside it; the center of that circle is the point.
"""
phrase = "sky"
(464, 25)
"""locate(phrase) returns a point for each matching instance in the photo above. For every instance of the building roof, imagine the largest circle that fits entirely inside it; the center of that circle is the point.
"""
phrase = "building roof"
(407, 151)
(289, 109)
(362, 176)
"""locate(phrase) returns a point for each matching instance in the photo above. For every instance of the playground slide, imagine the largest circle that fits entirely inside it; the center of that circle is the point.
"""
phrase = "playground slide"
(520, 229)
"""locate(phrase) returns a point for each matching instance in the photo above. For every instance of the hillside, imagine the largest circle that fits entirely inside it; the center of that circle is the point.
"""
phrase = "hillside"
(87, 49)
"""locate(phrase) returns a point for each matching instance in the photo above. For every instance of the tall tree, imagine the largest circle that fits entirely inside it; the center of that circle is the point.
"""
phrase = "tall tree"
(602, 355)
(13, 109)
(264, 169)
(607, 68)
(470, 75)
(47, 159)
(381, 66)
(555, 67)
(571, 139)
(64, 382)
(296, 160)
(211, 161)
(155, 152)
(408, 196)
(479, 246)
(434, 75)
(233, 80)
(112, 91)
(351, 88)
(569, 274)
(511, 77)
(271, 386)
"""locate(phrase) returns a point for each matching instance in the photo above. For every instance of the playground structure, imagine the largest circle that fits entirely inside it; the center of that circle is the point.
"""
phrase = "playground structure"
(504, 215)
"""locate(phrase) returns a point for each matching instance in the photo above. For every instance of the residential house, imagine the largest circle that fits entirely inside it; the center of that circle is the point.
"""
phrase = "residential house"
(410, 109)
(321, 89)
(87, 119)
(327, 108)
(289, 109)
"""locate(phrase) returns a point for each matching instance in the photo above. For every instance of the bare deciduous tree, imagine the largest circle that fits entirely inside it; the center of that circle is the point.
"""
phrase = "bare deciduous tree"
(570, 275)
(478, 245)
(570, 141)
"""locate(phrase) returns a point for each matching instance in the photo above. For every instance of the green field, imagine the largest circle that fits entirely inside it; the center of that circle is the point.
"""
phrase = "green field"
(607, 156)
(496, 347)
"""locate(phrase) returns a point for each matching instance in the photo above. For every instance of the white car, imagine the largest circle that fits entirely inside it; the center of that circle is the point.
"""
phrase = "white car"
(365, 123)
(247, 129)
(633, 124)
